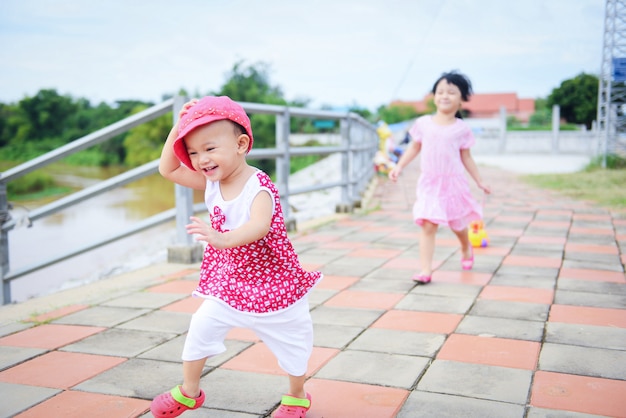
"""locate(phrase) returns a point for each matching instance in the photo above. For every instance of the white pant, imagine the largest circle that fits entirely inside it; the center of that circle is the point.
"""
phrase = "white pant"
(287, 333)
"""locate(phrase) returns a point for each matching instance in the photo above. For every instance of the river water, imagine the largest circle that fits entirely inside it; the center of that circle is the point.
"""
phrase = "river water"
(85, 223)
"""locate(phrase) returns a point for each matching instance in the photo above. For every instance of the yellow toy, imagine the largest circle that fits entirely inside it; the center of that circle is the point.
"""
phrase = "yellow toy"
(382, 163)
(477, 234)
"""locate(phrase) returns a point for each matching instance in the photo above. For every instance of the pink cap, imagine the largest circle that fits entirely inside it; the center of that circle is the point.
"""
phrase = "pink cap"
(207, 110)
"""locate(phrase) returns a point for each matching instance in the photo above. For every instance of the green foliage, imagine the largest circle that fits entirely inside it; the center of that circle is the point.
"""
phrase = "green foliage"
(542, 118)
(577, 98)
(251, 84)
(397, 113)
(613, 162)
(144, 143)
(33, 182)
(605, 187)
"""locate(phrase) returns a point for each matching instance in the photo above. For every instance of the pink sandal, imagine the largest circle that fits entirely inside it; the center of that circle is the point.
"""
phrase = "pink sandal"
(174, 403)
(422, 278)
(468, 263)
(291, 407)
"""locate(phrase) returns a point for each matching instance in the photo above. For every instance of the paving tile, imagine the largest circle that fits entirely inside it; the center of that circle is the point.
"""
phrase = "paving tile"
(587, 315)
(609, 337)
(100, 316)
(22, 397)
(516, 280)
(594, 275)
(56, 313)
(416, 321)
(146, 300)
(8, 328)
(58, 369)
(334, 336)
(183, 287)
(496, 383)
(435, 303)
(120, 342)
(491, 351)
(584, 394)
(567, 297)
(187, 305)
(254, 393)
(318, 296)
(49, 336)
(365, 300)
(428, 405)
(554, 413)
(610, 288)
(517, 294)
(586, 361)
(75, 404)
(517, 260)
(464, 277)
(398, 342)
(10, 356)
(400, 283)
(448, 290)
(510, 310)
(517, 329)
(384, 369)
(259, 359)
(374, 252)
(336, 399)
(572, 247)
(542, 240)
(336, 282)
(345, 316)
(160, 321)
(529, 271)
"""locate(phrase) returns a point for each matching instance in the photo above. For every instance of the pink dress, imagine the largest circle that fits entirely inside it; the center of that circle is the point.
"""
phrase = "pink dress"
(263, 276)
(443, 192)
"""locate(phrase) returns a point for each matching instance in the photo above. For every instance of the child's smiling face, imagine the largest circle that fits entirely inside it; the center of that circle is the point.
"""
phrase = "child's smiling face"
(215, 149)
(447, 97)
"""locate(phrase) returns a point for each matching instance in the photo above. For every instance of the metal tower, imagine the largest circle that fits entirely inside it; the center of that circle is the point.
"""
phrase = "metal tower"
(612, 88)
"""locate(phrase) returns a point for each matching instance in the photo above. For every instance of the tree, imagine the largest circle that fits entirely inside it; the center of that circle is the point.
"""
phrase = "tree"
(577, 99)
(144, 142)
(251, 84)
(47, 114)
(397, 113)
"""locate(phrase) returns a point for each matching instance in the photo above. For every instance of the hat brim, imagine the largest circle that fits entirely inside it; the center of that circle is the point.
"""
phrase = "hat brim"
(180, 149)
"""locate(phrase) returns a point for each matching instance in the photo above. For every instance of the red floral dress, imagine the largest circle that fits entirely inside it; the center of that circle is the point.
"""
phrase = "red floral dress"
(263, 276)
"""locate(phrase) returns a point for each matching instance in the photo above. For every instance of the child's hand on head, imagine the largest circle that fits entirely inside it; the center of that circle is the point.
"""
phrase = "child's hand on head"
(186, 107)
(206, 233)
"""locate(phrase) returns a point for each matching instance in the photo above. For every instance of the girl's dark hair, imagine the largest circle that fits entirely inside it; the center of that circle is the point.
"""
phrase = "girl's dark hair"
(459, 80)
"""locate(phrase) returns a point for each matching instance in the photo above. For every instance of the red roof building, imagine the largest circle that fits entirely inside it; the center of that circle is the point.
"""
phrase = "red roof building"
(484, 106)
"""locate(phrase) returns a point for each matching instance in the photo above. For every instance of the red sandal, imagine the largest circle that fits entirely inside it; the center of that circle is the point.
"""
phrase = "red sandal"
(174, 403)
(291, 407)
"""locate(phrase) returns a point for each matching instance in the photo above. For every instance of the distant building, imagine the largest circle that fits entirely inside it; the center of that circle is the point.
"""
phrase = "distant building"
(484, 106)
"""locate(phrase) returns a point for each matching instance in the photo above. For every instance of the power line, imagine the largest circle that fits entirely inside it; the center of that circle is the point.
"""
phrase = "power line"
(419, 44)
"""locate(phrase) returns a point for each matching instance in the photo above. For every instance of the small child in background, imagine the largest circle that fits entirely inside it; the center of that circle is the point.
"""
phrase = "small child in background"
(250, 275)
(443, 192)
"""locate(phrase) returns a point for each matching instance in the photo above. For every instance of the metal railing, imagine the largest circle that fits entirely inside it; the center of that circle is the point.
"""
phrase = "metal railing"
(359, 143)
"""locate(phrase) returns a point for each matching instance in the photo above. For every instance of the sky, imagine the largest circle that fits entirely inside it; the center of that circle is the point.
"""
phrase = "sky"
(334, 53)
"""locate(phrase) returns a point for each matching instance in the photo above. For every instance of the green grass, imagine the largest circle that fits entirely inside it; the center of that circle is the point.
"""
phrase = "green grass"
(605, 187)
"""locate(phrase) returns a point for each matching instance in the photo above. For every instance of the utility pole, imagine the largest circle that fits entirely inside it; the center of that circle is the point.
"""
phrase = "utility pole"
(612, 88)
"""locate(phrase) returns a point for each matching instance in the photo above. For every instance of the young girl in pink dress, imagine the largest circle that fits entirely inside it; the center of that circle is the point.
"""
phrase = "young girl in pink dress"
(443, 192)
